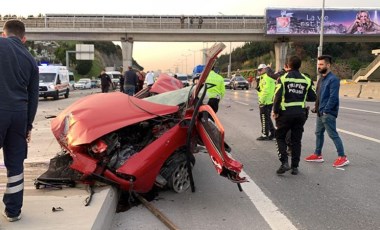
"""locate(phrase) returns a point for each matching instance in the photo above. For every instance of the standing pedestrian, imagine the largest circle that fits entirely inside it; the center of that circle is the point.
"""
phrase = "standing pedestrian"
(200, 21)
(293, 89)
(150, 79)
(215, 93)
(182, 20)
(130, 81)
(266, 90)
(18, 106)
(121, 82)
(141, 79)
(326, 107)
(105, 81)
(191, 21)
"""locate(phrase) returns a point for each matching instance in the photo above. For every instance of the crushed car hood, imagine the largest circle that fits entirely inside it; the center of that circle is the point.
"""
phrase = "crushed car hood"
(96, 115)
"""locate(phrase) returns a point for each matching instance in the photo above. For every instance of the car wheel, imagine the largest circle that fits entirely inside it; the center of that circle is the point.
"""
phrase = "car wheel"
(56, 95)
(175, 171)
(67, 93)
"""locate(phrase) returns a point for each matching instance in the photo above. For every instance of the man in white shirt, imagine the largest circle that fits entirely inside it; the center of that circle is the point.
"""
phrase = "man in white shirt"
(149, 78)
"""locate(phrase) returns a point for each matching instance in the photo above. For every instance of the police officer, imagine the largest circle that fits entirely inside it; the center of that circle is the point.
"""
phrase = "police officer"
(293, 89)
(215, 93)
(265, 93)
(18, 107)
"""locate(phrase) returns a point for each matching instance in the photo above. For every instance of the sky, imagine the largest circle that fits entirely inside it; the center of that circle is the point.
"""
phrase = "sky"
(149, 54)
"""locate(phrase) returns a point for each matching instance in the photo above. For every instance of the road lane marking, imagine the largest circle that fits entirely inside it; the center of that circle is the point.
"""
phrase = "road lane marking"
(359, 135)
(360, 110)
(241, 103)
(269, 211)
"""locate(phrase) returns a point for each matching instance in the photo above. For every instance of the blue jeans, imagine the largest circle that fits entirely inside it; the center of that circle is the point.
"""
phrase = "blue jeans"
(129, 89)
(327, 122)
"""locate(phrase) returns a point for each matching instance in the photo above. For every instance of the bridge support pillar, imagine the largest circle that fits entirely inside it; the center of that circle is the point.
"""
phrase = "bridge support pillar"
(280, 50)
(126, 50)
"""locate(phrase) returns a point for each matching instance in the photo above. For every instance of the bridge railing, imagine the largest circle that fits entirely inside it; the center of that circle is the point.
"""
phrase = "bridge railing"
(143, 22)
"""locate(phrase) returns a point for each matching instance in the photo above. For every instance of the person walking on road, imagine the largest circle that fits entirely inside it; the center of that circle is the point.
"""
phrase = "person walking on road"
(327, 107)
(130, 81)
(18, 106)
(215, 93)
(266, 90)
(149, 79)
(105, 81)
(293, 89)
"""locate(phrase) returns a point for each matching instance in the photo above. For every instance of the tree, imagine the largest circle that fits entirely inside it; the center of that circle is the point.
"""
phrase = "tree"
(83, 66)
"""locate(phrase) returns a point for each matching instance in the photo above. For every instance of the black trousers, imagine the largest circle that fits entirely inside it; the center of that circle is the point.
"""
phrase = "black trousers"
(13, 142)
(214, 104)
(295, 124)
(267, 127)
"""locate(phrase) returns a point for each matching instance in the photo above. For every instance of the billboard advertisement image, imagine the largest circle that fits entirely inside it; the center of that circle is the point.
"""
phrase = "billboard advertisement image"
(308, 21)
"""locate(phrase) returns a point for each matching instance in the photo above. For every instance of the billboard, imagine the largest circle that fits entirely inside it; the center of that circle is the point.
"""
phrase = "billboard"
(308, 21)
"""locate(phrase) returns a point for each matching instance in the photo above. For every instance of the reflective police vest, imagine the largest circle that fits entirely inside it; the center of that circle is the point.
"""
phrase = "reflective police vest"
(294, 91)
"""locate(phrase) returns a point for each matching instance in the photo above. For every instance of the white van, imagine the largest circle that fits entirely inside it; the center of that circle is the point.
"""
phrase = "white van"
(54, 81)
(115, 77)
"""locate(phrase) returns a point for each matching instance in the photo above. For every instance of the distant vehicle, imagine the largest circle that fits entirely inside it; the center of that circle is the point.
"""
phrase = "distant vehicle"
(227, 83)
(239, 82)
(115, 78)
(183, 78)
(83, 83)
(95, 83)
(54, 82)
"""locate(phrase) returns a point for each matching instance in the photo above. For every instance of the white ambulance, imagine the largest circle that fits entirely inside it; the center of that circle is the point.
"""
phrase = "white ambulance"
(54, 82)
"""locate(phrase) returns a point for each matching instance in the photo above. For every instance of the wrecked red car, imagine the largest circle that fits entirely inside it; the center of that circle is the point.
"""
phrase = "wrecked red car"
(135, 143)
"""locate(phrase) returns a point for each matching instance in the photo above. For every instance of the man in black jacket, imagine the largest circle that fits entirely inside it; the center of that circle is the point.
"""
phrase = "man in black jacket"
(105, 81)
(292, 91)
(18, 107)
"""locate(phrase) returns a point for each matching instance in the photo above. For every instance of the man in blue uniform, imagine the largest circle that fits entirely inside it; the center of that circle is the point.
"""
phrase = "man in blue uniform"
(18, 106)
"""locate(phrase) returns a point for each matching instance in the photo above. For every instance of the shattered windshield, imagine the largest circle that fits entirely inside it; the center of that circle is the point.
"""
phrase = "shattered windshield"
(175, 97)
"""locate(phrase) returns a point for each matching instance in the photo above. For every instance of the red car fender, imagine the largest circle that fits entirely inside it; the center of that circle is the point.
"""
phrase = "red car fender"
(83, 163)
(146, 164)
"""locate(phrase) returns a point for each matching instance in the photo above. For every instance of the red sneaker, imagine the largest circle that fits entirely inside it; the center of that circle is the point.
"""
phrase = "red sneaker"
(314, 158)
(341, 161)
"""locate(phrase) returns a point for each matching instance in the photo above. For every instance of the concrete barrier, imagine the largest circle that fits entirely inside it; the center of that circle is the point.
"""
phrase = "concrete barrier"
(350, 90)
(370, 90)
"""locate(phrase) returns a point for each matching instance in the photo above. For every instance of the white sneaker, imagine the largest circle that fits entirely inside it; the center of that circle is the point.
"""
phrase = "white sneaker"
(11, 219)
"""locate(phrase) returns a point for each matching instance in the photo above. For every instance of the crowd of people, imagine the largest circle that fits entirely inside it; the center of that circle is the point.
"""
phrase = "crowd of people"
(284, 94)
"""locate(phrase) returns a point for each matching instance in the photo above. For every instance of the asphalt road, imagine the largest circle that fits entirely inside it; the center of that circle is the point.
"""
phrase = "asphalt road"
(320, 197)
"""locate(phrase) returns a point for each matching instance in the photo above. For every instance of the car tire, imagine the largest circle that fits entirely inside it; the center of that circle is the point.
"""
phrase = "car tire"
(67, 93)
(56, 95)
(175, 171)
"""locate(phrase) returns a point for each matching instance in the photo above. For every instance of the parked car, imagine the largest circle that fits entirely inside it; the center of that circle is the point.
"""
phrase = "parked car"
(83, 83)
(95, 83)
(227, 83)
(239, 82)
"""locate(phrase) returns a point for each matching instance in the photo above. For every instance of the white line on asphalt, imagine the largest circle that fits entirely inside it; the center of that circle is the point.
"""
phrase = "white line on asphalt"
(359, 135)
(269, 211)
(360, 110)
(241, 103)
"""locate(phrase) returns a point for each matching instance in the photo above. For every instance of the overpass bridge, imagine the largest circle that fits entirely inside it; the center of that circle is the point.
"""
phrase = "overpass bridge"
(167, 28)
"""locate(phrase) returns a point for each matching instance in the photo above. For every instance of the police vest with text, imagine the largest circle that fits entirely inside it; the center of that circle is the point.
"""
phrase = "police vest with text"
(294, 93)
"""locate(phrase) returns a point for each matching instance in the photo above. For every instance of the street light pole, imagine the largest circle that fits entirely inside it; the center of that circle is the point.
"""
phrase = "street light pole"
(320, 47)
(229, 65)
(186, 55)
(194, 51)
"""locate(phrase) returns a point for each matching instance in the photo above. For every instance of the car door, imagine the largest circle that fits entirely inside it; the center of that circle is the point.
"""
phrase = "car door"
(211, 132)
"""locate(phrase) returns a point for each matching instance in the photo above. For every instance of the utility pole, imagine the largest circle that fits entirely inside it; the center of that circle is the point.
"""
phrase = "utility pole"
(320, 47)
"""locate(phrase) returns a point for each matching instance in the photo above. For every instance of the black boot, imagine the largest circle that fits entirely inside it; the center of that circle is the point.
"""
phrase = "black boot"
(294, 171)
(283, 168)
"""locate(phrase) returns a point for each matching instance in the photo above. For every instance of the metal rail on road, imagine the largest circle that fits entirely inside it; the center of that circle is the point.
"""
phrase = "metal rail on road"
(142, 21)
